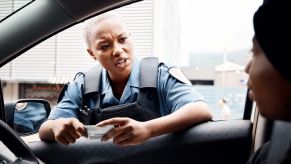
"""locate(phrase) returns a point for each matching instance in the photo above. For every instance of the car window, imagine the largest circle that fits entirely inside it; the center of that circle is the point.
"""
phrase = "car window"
(209, 41)
(7, 7)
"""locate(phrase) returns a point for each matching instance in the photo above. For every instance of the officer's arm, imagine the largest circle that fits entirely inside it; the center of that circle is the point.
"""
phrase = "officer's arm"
(45, 131)
(189, 114)
(63, 115)
(181, 100)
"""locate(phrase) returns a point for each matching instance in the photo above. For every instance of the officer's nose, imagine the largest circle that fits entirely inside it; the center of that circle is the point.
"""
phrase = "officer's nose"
(118, 50)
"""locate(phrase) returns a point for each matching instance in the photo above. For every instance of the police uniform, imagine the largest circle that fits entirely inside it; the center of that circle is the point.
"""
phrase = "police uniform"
(172, 93)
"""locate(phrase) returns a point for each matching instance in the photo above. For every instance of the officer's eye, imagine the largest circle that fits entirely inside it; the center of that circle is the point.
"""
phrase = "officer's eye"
(104, 47)
(122, 39)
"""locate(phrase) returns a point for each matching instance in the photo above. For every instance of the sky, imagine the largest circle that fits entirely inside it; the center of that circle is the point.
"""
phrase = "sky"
(217, 25)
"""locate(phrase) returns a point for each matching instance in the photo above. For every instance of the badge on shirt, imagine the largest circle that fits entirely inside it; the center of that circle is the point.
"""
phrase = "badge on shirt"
(178, 74)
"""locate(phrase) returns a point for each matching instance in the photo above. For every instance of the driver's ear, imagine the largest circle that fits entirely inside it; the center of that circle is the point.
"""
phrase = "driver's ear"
(90, 52)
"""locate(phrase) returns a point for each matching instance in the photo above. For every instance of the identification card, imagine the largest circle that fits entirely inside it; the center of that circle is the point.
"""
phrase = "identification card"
(95, 132)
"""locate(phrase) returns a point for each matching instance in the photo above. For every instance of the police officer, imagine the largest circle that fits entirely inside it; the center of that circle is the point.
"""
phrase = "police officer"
(119, 84)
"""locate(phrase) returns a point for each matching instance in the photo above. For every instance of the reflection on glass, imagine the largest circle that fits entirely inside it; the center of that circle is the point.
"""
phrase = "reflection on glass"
(29, 116)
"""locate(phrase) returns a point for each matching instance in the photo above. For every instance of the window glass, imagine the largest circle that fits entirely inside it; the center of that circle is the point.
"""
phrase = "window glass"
(9, 6)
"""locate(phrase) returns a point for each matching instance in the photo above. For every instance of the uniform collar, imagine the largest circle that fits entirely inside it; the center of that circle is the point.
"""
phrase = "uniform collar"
(133, 80)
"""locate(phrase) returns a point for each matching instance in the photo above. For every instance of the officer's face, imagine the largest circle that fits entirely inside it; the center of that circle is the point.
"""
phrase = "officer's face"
(268, 88)
(111, 45)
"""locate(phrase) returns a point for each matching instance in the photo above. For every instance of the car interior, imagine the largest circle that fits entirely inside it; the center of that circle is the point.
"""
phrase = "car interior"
(205, 143)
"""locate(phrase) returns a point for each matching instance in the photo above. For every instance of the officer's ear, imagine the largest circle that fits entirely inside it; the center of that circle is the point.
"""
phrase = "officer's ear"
(90, 52)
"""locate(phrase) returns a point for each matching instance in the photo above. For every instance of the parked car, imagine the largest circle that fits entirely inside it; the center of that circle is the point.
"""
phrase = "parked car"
(227, 142)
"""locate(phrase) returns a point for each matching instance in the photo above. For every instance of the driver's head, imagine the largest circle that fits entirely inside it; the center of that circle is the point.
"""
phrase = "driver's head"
(270, 68)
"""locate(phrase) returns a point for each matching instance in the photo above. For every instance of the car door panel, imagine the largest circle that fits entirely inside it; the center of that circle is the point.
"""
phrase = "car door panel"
(207, 143)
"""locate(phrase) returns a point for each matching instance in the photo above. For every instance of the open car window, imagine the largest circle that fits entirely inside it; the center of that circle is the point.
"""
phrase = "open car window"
(209, 41)
(8, 7)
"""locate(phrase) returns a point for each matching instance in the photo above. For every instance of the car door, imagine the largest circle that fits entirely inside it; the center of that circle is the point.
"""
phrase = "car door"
(217, 141)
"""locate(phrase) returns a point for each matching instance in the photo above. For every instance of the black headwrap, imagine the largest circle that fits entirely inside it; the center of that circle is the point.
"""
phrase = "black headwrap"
(272, 25)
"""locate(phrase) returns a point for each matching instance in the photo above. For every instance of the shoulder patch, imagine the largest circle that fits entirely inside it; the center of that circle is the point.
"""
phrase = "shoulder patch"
(179, 75)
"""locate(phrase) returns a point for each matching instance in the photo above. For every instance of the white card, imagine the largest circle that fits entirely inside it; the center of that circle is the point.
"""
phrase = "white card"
(96, 132)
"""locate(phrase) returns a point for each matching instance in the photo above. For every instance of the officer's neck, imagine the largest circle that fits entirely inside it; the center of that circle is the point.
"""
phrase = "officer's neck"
(118, 85)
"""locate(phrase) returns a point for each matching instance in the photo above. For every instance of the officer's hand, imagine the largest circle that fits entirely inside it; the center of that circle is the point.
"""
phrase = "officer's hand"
(127, 131)
(67, 130)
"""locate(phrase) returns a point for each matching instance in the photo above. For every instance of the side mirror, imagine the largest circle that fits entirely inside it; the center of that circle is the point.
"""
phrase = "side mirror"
(26, 116)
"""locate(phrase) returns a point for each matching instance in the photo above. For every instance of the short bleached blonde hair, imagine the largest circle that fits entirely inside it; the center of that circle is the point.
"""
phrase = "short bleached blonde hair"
(90, 23)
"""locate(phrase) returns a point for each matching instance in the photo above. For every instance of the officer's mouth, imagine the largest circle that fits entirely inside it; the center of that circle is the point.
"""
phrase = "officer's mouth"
(121, 61)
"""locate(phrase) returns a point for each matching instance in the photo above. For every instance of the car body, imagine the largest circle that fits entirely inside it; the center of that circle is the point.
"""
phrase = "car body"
(226, 142)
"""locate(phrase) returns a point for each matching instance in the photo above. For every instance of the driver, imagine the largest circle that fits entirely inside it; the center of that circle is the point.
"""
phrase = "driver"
(270, 77)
